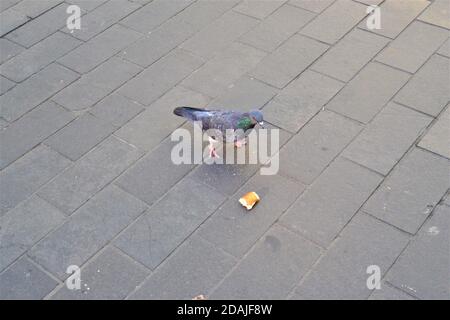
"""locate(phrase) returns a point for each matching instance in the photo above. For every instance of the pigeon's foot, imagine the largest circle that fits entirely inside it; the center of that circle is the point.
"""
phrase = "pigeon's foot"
(212, 149)
(240, 143)
(213, 152)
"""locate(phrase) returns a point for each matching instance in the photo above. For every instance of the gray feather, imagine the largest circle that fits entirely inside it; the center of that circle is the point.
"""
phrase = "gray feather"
(219, 120)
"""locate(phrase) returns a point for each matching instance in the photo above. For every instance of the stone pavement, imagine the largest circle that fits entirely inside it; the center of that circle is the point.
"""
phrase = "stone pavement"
(86, 176)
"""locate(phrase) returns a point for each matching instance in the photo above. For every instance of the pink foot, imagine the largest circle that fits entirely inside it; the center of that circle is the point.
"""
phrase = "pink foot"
(213, 153)
(240, 143)
(212, 149)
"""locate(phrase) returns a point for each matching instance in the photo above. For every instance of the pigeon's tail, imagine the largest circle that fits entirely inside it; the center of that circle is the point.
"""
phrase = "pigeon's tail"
(187, 112)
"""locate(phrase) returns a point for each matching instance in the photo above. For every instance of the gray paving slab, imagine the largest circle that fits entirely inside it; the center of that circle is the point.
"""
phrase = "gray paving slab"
(96, 84)
(245, 94)
(30, 130)
(235, 229)
(370, 2)
(175, 31)
(25, 281)
(116, 109)
(38, 56)
(427, 91)
(8, 49)
(26, 175)
(158, 43)
(396, 16)
(80, 136)
(87, 230)
(138, 132)
(323, 210)
(5, 4)
(231, 176)
(72, 188)
(169, 222)
(381, 144)
(193, 269)
(437, 13)
(340, 62)
(288, 61)
(437, 138)
(219, 73)
(446, 199)
(102, 18)
(278, 27)
(141, 2)
(314, 6)
(25, 225)
(3, 123)
(409, 194)
(35, 90)
(219, 35)
(41, 27)
(5, 84)
(258, 9)
(368, 92)
(98, 49)
(388, 292)
(306, 155)
(11, 19)
(160, 77)
(413, 47)
(342, 272)
(201, 13)
(335, 21)
(298, 102)
(445, 49)
(153, 14)
(32, 8)
(86, 5)
(417, 271)
(108, 276)
(271, 269)
(154, 174)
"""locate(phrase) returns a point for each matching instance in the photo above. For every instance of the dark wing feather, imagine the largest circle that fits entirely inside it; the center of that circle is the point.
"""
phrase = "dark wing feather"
(221, 120)
(214, 119)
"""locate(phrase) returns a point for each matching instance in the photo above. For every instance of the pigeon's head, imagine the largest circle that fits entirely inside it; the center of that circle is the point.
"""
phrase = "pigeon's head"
(257, 116)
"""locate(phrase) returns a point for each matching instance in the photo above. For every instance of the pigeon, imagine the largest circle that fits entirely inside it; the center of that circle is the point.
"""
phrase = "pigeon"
(222, 120)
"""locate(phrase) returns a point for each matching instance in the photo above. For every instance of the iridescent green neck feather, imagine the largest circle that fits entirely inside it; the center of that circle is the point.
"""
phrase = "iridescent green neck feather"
(244, 123)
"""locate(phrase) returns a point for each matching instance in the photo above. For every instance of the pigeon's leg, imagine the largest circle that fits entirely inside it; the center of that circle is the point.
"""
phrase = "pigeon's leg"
(240, 143)
(212, 149)
(213, 153)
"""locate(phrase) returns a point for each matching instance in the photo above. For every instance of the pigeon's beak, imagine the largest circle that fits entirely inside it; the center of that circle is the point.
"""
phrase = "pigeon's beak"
(262, 124)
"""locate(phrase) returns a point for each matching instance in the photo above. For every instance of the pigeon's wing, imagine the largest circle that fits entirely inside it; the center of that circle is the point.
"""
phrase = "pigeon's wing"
(220, 120)
(223, 120)
(201, 115)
